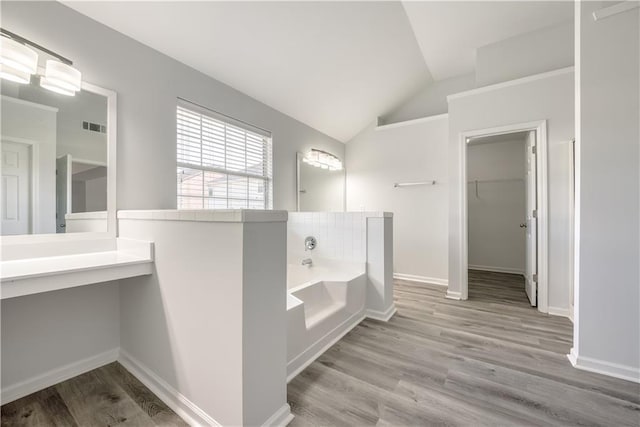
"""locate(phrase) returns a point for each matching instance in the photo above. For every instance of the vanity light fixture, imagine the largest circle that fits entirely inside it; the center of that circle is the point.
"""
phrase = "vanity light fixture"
(61, 78)
(14, 75)
(18, 62)
(322, 159)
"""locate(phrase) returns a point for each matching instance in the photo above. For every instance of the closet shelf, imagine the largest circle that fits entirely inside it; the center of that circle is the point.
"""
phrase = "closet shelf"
(36, 275)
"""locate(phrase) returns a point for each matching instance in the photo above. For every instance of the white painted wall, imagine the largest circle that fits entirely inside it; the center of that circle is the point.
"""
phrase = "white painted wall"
(376, 160)
(548, 98)
(531, 53)
(607, 320)
(147, 89)
(210, 321)
(44, 332)
(496, 241)
(430, 100)
(30, 121)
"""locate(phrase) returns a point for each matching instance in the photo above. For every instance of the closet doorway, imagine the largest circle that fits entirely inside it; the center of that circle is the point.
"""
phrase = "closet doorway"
(504, 182)
(501, 207)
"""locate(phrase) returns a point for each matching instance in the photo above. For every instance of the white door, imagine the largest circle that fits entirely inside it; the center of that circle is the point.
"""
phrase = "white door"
(531, 266)
(16, 188)
(63, 191)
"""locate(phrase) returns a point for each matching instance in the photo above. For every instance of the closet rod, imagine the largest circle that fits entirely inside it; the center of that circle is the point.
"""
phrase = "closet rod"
(481, 181)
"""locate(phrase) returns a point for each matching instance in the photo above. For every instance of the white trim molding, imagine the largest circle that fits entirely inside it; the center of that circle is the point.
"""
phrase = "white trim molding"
(280, 418)
(57, 375)
(540, 127)
(34, 147)
(615, 370)
(615, 9)
(496, 269)
(421, 279)
(559, 311)
(510, 83)
(453, 295)
(383, 316)
(182, 406)
(412, 121)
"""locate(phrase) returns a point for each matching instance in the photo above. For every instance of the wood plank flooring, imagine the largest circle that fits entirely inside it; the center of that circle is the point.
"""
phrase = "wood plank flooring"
(491, 360)
(107, 396)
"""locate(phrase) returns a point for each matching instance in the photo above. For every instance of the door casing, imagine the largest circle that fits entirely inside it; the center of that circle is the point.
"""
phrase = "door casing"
(540, 127)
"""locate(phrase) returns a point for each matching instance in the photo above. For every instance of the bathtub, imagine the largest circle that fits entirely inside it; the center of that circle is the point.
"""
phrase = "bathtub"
(324, 302)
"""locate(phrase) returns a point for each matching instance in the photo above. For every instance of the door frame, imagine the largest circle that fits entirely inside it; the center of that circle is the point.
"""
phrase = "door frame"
(540, 127)
(34, 151)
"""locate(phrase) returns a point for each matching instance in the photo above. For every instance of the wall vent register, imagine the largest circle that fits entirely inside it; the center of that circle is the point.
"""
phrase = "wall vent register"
(222, 163)
(94, 127)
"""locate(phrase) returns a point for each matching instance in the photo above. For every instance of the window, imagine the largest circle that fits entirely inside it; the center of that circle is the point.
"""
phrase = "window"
(222, 163)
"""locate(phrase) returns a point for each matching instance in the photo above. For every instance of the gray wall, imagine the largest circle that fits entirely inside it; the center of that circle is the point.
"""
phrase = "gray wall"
(42, 333)
(148, 83)
(496, 241)
(430, 100)
(607, 323)
(379, 158)
(550, 98)
(547, 49)
(543, 50)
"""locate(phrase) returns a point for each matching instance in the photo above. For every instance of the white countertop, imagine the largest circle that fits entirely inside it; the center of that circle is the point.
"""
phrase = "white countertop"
(44, 274)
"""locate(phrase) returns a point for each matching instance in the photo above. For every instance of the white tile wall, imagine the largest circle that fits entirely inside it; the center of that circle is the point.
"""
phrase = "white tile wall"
(340, 235)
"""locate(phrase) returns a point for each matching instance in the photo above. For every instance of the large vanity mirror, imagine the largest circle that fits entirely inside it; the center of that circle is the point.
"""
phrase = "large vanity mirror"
(56, 155)
(320, 182)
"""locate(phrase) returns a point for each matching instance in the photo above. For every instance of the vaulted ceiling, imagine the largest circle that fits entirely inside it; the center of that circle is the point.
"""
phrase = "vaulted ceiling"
(332, 65)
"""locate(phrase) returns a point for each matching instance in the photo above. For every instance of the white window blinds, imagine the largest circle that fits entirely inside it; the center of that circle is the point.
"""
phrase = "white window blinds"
(222, 163)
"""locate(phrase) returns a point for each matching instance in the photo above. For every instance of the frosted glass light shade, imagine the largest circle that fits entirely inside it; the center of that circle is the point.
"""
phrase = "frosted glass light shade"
(14, 75)
(61, 78)
(322, 159)
(55, 88)
(18, 56)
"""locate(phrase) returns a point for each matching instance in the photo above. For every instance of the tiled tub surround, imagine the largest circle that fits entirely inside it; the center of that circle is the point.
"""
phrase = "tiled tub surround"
(349, 279)
(340, 235)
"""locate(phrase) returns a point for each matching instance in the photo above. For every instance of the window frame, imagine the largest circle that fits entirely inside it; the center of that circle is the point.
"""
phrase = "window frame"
(267, 163)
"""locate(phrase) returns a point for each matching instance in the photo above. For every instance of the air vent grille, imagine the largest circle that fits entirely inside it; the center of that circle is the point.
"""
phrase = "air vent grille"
(94, 127)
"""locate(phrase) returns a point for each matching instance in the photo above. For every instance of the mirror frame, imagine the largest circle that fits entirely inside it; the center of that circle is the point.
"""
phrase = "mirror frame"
(299, 157)
(112, 136)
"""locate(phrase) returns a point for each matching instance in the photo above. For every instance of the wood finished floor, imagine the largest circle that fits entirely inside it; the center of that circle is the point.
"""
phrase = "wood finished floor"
(491, 360)
(107, 396)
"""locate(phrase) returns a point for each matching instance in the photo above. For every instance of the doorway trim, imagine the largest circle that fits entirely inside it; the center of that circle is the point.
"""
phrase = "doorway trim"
(34, 151)
(540, 127)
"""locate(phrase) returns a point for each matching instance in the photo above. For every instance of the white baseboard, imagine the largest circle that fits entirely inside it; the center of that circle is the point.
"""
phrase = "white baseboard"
(421, 279)
(182, 406)
(496, 269)
(304, 359)
(281, 418)
(615, 370)
(453, 295)
(383, 316)
(57, 375)
(557, 311)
